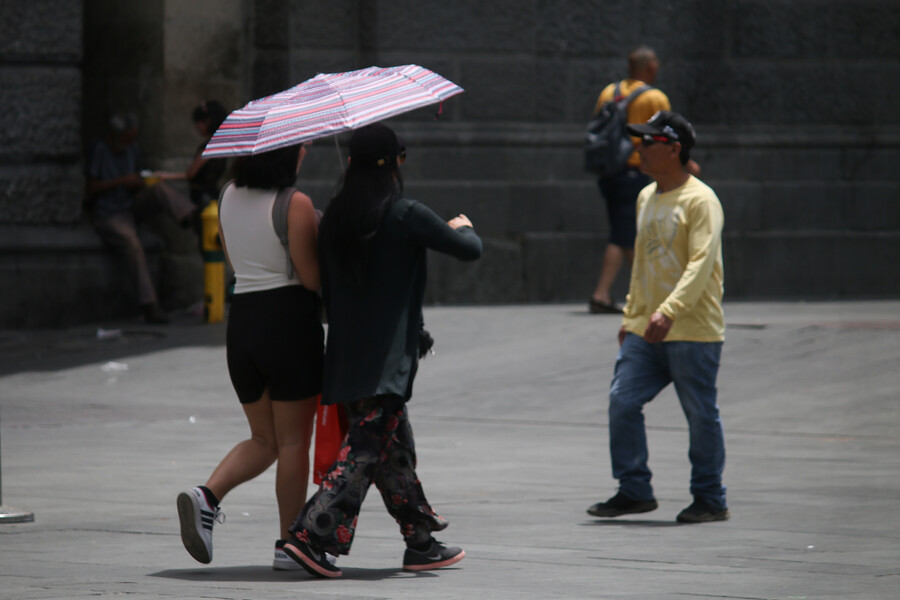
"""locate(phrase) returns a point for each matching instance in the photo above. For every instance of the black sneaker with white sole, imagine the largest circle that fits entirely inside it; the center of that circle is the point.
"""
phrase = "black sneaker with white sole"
(436, 557)
(197, 517)
(314, 560)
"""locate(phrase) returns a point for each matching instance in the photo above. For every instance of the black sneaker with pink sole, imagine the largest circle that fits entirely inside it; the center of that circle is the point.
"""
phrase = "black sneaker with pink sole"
(436, 557)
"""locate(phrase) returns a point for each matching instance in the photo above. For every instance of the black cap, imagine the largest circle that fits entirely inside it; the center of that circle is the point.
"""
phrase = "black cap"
(374, 146)
(668, 124)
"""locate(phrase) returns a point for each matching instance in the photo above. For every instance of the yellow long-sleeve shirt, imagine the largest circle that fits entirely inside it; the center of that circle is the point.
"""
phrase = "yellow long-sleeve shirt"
(678, 268)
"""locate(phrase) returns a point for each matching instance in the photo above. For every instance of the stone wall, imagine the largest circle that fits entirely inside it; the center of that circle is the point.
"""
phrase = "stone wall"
(792, 100)
(40, 104)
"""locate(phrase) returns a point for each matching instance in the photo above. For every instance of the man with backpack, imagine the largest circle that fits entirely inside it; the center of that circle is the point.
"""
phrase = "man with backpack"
(621, 186)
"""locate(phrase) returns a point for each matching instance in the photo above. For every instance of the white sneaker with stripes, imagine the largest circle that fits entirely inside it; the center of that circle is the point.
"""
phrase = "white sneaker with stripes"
(197, 518)
(283, 562)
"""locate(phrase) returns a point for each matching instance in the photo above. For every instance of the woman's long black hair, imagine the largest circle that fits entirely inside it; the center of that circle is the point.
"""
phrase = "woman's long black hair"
(355, 214)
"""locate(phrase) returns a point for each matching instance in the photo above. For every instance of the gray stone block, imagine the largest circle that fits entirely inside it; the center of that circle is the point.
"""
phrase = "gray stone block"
(781, 30)
(873, 206)
(488, 206)
(575, 28)
(181, 280)
(716, 91)
(464, 25)
(782, 265)
(271, 72)
(496, 278)
(40, 193)
(587, 78)
(199, 46)
(62, 276)
(499, 89)
(325, 25)
(41, 112)
(565, 267)
(272, 23)
(561, 207)
(867, 264)
(860, 31)
(693, 29)
(775, 164)
(44, 30)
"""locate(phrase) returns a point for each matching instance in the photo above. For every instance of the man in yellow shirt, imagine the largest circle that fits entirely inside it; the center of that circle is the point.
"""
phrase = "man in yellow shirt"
(620, 189)
(673, 326)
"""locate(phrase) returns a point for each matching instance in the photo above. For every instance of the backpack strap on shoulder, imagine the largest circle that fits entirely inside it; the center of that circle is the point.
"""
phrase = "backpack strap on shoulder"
(279, 223)
(640, 90)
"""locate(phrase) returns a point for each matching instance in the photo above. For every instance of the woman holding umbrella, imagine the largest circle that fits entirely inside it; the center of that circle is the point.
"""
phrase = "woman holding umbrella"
(274, 344)
(372, 245)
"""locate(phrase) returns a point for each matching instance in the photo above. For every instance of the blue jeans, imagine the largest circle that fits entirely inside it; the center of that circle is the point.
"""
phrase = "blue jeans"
(642, 371)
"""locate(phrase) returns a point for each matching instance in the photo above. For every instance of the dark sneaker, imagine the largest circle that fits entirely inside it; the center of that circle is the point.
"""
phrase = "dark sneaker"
(701, 512)
(314, 560)
(437, 556)
(197, 518)
(620, 504)
(155, 315)
(283, 562)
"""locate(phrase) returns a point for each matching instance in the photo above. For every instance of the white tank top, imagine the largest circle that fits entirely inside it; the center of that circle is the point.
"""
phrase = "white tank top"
(256, 254)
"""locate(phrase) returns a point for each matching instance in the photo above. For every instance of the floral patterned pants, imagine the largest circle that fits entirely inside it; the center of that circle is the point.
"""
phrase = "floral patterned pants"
(378, 449)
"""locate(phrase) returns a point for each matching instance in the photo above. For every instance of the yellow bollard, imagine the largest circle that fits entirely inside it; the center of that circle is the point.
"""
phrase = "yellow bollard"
(213, 265)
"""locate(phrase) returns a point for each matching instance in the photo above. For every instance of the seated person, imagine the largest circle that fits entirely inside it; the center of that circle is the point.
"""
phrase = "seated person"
(119, 199)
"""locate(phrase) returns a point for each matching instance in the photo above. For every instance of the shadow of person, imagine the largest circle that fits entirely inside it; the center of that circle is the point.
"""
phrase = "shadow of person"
(629, 523)
(260, 573)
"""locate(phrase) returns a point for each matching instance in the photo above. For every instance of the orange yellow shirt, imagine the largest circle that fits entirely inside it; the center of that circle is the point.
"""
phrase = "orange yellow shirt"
(641, 108)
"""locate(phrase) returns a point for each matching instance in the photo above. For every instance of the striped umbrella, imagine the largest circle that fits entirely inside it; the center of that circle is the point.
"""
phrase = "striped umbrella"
(327, 104)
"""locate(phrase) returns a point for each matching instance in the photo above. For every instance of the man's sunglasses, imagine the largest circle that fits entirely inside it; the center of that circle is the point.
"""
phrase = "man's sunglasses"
(648, 140)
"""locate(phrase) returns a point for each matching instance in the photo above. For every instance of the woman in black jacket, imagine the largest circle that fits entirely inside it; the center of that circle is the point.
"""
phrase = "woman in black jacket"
(372, 246)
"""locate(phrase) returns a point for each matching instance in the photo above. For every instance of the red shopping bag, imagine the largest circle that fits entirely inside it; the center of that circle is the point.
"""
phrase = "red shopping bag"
(331, 427)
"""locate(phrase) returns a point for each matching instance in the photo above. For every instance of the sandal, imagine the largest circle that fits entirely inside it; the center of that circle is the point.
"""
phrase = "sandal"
(598, 307)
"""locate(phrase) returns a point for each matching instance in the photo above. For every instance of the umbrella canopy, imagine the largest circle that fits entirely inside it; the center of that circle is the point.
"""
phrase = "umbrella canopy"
(327, 104)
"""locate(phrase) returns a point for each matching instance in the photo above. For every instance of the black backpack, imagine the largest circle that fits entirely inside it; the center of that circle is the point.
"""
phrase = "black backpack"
(607, 145)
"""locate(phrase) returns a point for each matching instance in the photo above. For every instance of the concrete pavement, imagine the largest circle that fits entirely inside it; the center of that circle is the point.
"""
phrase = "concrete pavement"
(511, 431)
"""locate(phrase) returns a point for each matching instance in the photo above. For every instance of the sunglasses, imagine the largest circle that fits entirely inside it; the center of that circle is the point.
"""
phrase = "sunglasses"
(648, 140)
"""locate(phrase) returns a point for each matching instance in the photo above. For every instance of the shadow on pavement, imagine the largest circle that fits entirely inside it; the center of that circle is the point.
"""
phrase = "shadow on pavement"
(52, 350)
(630, 523)
(260, 573)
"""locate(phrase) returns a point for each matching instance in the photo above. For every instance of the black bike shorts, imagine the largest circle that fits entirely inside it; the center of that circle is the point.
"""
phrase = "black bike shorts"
(275, 340)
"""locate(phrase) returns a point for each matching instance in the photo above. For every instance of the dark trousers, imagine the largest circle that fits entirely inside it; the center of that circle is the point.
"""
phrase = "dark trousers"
(620, 190)
(119, 231)
(378, 449)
